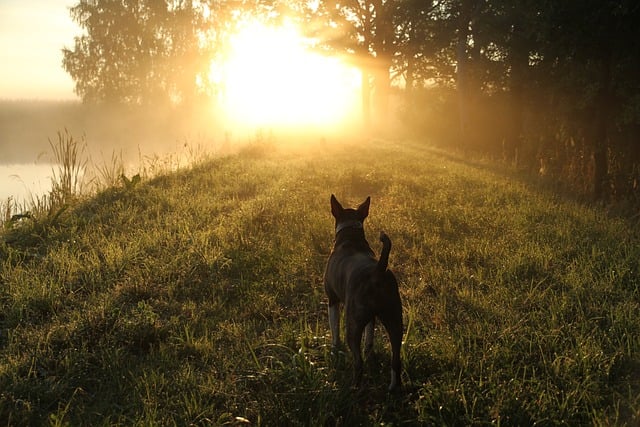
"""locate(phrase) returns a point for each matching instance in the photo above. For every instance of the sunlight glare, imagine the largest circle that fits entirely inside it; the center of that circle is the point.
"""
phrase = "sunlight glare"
(271, 78)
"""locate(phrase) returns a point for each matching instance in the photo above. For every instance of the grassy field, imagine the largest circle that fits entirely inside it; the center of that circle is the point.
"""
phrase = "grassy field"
(196, 298)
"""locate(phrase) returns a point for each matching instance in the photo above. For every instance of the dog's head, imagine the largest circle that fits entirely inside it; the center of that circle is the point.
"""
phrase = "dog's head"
(349, 218)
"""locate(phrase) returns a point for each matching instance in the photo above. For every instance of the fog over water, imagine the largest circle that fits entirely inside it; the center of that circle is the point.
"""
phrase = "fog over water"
(134, 135)
(21, 181)
(138, 137)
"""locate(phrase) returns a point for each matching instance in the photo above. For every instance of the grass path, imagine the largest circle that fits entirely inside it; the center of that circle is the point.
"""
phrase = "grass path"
(196, 298)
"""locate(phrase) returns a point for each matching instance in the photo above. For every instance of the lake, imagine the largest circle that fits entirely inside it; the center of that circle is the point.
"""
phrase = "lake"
(24, 181)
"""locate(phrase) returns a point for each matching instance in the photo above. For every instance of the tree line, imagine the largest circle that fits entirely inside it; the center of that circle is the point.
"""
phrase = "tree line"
(551, 86)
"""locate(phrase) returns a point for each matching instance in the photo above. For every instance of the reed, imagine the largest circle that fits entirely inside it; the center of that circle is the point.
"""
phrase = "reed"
(71, 161)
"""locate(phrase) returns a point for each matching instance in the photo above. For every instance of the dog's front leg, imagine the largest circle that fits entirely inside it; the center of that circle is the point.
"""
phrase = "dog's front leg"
(334, 324)
(368, 337)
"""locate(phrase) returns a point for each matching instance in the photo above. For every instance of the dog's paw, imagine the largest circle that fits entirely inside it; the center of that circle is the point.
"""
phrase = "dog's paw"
(395, 384)
(337, 351)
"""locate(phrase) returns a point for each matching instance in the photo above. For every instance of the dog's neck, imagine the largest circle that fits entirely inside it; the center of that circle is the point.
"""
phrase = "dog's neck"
(355, 224)
(350, 234)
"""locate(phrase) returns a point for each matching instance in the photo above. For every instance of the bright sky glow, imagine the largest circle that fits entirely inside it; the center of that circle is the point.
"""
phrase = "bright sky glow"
(32, 35)
(271, 77)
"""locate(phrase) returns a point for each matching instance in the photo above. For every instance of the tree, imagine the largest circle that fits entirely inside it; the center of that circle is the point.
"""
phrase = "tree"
(511, 25)
(425, 34)
(138, 51)
(590, 51)
(466, 12)
(373, 33)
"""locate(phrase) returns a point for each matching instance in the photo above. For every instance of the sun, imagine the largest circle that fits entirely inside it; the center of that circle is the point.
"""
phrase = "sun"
(271, 77)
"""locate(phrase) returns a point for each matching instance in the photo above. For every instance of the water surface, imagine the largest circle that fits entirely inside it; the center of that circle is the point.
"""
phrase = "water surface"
(22, 182)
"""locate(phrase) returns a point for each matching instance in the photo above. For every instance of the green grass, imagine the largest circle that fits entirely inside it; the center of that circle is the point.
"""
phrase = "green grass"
(196, 298)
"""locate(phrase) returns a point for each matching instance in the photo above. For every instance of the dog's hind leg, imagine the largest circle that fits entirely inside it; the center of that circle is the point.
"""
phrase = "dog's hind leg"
(392, 321)
(396, 341)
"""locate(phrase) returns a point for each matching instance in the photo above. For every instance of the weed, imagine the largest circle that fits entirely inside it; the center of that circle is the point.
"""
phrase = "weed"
(109, 172)
(71, 163)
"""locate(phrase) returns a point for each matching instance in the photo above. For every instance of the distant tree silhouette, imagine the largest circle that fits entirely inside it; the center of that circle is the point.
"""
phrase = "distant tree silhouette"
(547, 85)
(139, 51)
(591, 49)
(374, 34)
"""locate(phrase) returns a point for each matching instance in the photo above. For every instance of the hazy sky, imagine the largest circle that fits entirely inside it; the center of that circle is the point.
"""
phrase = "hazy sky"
(32, 35)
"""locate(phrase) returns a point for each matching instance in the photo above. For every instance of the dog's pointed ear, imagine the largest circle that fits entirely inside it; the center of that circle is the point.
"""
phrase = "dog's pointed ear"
(363, 209)
(336, 207)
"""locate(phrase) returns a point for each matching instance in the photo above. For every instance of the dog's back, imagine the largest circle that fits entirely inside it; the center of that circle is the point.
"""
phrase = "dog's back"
(353, 269)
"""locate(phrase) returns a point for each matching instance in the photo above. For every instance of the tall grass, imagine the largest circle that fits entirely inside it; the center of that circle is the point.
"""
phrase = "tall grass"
(71, 162)
(67, 181)
(76, 174)
(109, 172)
(196, 297)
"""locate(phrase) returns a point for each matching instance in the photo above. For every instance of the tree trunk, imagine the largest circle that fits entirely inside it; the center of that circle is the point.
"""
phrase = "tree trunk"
(409, 79)
(366, 96)
(600, 135)
(382, 90)
(461, 70)
(383, 45)
(519, 62)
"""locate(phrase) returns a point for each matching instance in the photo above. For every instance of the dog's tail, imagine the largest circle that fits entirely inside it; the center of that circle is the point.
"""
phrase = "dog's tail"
(384, 255)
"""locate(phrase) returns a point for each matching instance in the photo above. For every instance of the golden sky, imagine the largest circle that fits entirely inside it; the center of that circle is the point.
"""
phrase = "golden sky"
(271, 77)
(32, 35)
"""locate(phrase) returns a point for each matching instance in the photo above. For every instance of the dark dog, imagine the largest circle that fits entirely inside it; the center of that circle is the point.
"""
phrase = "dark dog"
(365, 287)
